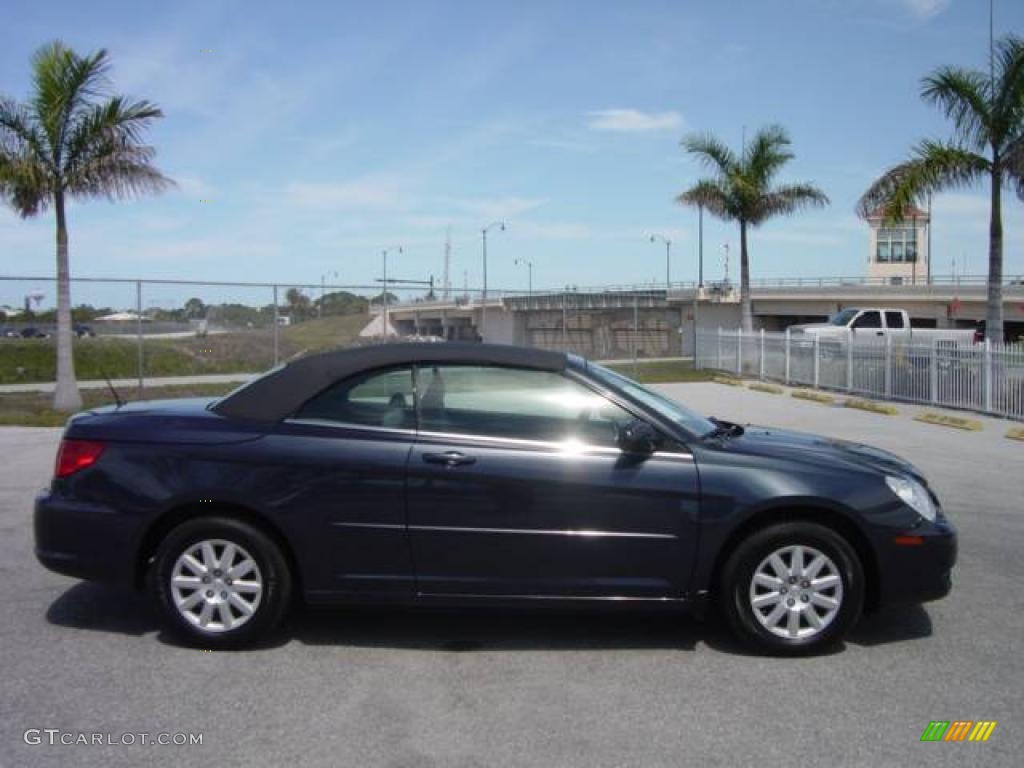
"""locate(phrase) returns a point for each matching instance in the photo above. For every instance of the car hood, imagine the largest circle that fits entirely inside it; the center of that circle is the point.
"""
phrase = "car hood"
(808, 448)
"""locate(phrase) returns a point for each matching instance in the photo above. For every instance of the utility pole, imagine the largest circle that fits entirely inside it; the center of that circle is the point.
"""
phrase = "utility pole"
(323, 279)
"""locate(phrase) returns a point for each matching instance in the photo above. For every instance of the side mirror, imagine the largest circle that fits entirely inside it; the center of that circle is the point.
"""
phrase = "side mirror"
(638, 437)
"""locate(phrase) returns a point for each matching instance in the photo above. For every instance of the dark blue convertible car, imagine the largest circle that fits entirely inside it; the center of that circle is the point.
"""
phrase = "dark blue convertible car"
(468, 474)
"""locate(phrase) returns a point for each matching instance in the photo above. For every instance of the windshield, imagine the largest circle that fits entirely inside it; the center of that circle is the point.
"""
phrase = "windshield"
(690, 421)
(844, 317)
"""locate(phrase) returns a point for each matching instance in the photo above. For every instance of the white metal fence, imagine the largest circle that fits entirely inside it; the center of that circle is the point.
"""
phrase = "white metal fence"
(980, 377)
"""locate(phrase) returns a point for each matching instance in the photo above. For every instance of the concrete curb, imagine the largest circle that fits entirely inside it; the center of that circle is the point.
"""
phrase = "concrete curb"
(814, 397)
(1015, 433)
(728, 381)
(945, 420)
(771, 389)
(871, 406)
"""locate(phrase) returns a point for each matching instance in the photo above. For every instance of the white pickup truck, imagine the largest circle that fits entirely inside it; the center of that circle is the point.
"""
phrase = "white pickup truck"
(873, 323)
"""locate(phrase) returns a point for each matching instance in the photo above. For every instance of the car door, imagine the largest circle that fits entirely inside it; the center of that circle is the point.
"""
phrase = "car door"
(868, 325)
(340, 478)
(518, 488)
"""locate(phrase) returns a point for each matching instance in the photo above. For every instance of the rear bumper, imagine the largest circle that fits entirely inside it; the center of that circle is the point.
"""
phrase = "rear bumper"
(918, 572)
(84, 540)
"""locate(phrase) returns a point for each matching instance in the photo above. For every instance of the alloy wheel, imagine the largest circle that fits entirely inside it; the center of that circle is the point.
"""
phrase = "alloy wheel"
(216, 585)
(796, 592)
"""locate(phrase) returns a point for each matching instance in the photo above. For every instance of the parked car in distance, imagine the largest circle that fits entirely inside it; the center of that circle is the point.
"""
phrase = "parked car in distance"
(81, 330)
(870, 324)
(471, 474)
(34, 333)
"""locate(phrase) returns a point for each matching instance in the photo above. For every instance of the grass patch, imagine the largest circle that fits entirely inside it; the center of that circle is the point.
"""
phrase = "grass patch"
(661, 371)
(814, 397)
(945, 420)
(317, 335)
(871, 406)
(1015, 433)
(244, 351)
(771, 389)
(34, 409)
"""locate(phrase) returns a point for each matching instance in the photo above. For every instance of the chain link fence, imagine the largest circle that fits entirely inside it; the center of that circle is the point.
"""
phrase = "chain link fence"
(147, 334)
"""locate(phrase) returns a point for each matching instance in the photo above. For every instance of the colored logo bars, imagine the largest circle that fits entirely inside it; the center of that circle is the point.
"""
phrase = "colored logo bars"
(958, 730)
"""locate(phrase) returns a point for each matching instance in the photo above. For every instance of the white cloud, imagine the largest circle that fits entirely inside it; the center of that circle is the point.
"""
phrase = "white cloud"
(192, 186)
(633, 121)
(366, 193)
(924, 9)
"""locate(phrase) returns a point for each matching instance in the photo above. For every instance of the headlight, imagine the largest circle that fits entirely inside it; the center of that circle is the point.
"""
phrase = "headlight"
(914, 495)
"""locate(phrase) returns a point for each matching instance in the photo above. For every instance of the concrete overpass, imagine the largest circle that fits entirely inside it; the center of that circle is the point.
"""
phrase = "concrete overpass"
(611, 322)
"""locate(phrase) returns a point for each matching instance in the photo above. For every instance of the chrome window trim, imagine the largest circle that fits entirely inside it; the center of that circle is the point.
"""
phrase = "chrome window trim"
(349, 426)
(551, 445)
(556, 446)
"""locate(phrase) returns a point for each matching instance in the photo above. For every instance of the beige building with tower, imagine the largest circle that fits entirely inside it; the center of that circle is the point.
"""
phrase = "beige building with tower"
(898, 251)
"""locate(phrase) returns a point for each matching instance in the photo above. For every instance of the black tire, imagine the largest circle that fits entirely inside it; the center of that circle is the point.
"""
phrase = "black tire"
(735, 587)
(272, 569)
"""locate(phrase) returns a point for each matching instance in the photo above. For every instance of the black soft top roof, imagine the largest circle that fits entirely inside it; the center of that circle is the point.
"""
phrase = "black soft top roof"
(279, 393)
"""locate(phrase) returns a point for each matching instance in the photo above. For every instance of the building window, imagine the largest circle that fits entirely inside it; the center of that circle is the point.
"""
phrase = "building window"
(896, 245)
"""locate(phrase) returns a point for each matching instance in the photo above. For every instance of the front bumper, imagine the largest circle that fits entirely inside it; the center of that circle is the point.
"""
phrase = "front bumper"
(912, 572)
(84, 540)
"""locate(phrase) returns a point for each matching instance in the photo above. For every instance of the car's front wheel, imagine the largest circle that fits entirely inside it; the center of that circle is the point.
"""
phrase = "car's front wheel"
(220, 582)
(792, 588)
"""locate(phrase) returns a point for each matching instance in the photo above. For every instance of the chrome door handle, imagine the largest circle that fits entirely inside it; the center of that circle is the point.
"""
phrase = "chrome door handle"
(449, 458)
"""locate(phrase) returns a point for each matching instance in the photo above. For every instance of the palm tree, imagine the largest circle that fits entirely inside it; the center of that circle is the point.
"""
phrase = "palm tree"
(72, 139)
(987, 111)
(742, 190)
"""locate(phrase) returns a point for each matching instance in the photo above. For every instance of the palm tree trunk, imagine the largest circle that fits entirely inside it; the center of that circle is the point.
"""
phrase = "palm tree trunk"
(746, 311)
(994, 313)
(66, 396)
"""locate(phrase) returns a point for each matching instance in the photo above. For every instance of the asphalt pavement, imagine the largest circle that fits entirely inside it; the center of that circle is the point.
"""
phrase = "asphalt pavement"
(375, 687)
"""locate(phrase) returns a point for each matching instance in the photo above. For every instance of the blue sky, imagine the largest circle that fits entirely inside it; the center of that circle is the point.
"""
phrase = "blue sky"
(323, 132)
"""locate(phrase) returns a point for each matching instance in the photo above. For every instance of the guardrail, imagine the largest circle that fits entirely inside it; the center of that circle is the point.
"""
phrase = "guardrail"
(983, 377)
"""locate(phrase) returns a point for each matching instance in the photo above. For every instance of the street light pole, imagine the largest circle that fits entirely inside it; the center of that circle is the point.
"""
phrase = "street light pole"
(928, 247)
(384, 253)
(529, 279)
(700, 246)
(483, 302)
(668, 260)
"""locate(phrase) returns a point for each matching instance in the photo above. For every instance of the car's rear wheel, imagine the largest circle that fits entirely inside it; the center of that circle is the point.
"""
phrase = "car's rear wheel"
(792, 588)
(220, 582)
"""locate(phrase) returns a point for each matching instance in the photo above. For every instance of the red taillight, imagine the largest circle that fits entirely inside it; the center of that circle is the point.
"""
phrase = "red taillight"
(74, 455)
(909, 541)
